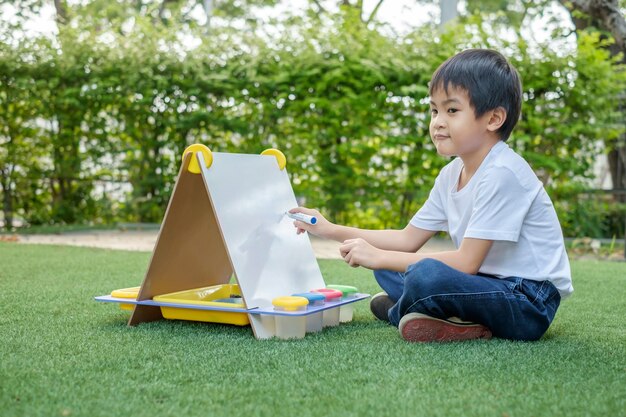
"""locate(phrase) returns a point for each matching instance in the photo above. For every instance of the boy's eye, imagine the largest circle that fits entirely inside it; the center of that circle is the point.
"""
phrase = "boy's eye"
(433, 111)
(452, 110)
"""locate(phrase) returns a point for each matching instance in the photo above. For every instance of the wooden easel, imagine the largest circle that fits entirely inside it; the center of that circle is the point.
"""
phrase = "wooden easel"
(225, 218)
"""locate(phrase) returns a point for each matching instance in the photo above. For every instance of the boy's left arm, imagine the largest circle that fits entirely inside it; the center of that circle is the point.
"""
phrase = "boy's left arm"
(468, 258)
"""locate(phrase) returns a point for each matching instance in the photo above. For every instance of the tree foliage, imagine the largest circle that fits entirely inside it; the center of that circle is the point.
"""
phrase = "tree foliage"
(94, 122)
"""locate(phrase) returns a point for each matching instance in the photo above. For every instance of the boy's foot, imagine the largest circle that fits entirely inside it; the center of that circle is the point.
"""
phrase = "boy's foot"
(380, 305)
(416, 327)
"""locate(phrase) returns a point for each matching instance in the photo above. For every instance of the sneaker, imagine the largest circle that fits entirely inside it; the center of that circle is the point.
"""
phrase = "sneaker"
(416, 327)
(380, 305)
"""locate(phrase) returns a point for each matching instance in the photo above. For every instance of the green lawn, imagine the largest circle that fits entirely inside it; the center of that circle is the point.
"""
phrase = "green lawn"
(64, 354)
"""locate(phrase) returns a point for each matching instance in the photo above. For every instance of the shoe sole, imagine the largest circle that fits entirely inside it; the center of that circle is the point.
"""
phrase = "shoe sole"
(375, 296)
(416, 327)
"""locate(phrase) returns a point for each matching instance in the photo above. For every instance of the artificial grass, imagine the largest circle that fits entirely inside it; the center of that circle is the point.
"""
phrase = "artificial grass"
(64, 354)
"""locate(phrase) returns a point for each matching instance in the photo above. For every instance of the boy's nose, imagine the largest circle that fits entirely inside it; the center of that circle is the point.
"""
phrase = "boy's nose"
(439, 122)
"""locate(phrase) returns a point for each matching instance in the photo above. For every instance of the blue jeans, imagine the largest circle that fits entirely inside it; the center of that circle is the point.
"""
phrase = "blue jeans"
(512, 308)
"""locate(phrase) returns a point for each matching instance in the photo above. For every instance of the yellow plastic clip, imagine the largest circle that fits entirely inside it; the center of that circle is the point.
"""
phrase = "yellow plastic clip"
(193, 164)
(280, 157)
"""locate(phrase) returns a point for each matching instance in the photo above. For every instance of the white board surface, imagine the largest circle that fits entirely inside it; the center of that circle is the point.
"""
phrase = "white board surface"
(250, 195)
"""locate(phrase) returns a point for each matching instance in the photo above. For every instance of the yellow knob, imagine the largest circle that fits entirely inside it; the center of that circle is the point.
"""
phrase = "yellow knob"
(280, 157)
(193, 164)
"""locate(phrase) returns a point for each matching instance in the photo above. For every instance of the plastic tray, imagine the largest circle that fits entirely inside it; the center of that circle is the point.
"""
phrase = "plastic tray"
(220, 296)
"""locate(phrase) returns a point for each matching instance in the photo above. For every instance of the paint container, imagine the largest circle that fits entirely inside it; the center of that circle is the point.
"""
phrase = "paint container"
(290, 326)
(330, 317)
(314, 322)
(346, 311)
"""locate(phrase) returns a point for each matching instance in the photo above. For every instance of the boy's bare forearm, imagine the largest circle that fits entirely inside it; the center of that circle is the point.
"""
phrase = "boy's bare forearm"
(383, 239)
(468, 258)
(409, 239)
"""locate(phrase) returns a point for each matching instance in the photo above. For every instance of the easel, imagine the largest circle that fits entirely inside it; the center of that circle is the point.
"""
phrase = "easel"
(226, 218)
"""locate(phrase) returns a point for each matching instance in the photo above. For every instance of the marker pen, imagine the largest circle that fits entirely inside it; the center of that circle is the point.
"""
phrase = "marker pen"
(302, 217)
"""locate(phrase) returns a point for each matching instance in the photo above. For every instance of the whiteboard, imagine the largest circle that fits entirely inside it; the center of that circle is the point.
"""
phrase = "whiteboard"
(250, 194)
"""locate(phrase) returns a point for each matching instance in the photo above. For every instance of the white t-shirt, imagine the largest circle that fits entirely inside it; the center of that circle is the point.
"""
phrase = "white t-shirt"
(505, 202)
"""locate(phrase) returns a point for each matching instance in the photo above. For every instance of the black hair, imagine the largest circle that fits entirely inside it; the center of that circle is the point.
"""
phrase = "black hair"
(490, 82)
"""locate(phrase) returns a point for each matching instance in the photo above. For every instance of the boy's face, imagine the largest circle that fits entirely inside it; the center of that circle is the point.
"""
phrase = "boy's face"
(454, 128)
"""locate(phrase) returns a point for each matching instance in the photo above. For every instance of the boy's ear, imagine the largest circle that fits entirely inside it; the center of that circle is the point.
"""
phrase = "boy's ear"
(497, 119)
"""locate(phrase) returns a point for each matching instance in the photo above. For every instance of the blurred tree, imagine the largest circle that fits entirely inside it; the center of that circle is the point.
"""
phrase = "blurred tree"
(609, 17)
(111, 13)
(18, 111)
(606, 15)
(119, 100)
(355, 7)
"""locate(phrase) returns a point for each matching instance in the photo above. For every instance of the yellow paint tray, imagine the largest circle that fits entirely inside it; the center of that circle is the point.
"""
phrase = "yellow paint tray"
(222, 296)
(130, 293)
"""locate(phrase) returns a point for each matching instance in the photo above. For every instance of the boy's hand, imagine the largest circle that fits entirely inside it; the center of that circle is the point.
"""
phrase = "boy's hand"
(357, 252)
(322, 228)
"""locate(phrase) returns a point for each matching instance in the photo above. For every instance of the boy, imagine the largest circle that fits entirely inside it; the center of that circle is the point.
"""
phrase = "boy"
(510, 269)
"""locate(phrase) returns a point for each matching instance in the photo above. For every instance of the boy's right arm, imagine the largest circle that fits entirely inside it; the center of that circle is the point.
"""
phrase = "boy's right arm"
(409, 239)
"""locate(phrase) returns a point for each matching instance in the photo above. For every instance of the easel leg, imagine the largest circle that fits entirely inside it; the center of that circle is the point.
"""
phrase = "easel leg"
(145, 314)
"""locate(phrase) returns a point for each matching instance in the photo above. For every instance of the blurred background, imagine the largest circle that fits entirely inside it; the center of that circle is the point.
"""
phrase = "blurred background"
(99, 98)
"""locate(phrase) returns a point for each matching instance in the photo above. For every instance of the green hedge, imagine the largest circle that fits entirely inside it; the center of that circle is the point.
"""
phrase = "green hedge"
(345, 103)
